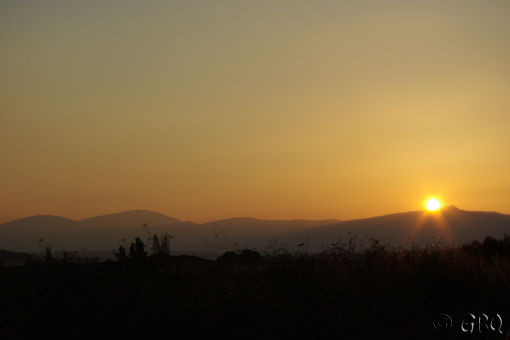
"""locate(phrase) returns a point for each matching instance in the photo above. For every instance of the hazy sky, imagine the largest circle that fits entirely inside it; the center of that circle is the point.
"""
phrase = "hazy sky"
(206, 109)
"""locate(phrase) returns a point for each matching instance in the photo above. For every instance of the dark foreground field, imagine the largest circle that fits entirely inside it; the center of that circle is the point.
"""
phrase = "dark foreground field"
(345, 292)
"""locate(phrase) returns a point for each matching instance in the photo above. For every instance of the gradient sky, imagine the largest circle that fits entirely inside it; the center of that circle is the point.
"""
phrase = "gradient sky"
(204, 110)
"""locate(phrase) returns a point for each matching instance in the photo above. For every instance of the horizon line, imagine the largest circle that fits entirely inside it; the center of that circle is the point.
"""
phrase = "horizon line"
(249, 217)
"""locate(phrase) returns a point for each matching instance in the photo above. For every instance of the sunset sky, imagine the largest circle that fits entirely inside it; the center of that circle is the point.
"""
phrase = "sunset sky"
(204, 110)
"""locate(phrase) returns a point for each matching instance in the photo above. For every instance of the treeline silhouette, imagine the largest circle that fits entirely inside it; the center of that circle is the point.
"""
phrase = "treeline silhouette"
(350, 290)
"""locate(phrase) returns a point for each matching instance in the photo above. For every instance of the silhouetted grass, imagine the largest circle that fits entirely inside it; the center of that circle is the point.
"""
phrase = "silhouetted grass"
(348, 291)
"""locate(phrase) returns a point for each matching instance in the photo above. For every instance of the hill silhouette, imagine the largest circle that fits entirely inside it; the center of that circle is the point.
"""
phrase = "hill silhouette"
(39, 222)
(131, 218)
(450, 224)
(107, 232)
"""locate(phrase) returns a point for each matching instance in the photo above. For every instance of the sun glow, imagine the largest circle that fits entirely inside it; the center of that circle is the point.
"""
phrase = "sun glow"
(433, 204)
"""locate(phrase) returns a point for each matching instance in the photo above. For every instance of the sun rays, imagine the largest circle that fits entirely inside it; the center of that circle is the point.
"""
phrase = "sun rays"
(433, 220)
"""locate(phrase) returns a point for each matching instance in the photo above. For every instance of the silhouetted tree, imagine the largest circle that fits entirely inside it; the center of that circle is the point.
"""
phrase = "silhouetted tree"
(137, 249)
(155, 244)
(504, 244)
(161, 244)
(490, 246)
(121, 255)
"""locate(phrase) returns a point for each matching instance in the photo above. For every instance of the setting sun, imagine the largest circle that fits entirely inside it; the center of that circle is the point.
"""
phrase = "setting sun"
(433, 204)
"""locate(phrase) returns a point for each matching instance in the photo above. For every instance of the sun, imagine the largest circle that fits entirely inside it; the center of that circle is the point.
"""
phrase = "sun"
(433, 204)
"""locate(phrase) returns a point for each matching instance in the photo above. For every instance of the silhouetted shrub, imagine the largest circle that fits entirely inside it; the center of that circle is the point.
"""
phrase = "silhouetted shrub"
(161, 244)
(121, 255)
(490, 246)
(504, 244)
(229, 257)
(251, 257)
(137, 249)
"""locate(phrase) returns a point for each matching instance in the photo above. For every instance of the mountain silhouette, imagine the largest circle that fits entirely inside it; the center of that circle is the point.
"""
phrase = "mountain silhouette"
(401, 229)
(39, 222)
(96, 233)
(107, 232)
(132, 218)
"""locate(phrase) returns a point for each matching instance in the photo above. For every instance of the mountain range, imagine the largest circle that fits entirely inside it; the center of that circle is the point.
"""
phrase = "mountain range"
(108, 232)
(447, 225)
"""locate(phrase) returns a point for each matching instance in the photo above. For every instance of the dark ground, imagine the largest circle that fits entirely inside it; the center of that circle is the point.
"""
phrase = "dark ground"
(342, 293)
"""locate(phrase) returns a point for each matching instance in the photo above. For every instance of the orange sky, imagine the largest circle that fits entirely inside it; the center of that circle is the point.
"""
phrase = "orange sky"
(205, 110)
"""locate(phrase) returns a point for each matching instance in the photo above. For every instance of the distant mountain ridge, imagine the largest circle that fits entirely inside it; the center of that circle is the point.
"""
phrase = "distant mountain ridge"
(109, 231)
(129, 218)
(401, 229)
